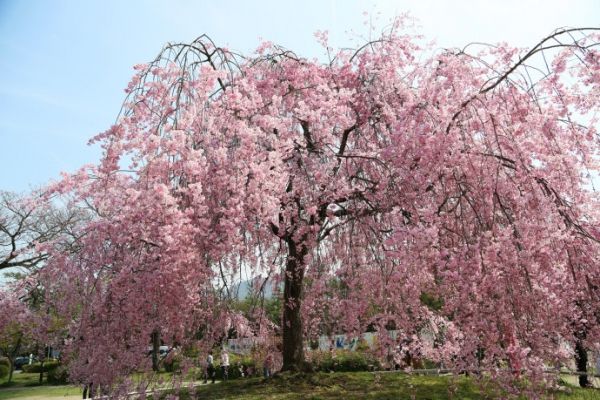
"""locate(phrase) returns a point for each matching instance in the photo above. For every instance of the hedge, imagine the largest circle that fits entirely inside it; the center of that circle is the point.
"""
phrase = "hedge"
(173, 363)
(4, 370)
(342, 361)
(58, 375)
(38, 367)
(248, 365)
(4, 367)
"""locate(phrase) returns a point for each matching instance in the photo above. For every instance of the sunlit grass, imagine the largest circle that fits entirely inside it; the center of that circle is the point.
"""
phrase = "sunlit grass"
(317, 386)
(366, 386)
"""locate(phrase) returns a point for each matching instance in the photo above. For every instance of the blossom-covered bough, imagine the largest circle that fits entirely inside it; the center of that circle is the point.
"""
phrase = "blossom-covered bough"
(363, 185)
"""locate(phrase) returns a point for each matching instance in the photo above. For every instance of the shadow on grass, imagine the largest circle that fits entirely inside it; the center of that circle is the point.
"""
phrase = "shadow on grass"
(365, 386)
(346, 386)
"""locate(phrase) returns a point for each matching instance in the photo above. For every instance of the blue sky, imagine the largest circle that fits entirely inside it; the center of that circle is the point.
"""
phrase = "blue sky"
(64, 64)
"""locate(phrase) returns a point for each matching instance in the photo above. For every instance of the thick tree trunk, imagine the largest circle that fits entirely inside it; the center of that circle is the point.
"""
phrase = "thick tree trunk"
(11, 370)
(155, 349)
(582, 359)
(13, 356)
(41, 379)
(293, 337)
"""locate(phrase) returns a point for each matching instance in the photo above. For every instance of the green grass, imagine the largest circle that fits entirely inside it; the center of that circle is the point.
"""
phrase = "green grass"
(22, 379)
(364, 386)
(41, 392)
(318, 386)
(347, 386)
(26, 385)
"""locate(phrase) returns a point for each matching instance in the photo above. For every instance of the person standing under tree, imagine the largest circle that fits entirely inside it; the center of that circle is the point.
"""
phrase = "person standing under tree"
(210, 368)
(88, 391)
(268, 365)
(225, 364)
(88, 388)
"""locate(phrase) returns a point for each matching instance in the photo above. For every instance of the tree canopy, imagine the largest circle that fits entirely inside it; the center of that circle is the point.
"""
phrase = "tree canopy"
(363, 184)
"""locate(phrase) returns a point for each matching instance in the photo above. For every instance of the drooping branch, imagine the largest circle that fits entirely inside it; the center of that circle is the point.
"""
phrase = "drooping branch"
(538, 48)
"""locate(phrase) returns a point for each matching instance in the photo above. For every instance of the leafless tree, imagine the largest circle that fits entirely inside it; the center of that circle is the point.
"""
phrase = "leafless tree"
(25, 223)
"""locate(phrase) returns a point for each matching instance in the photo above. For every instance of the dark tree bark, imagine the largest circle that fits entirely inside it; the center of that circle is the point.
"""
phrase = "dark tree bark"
(41, 378)
(581, 359)
(293, 335)
(11, 370)
(12, 356)
(155, 349)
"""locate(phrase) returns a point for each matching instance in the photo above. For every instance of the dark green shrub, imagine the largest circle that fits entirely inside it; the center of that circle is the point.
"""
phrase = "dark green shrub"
(4, 370)
(5, 361)
(318, 361)
(343, 361)
(249, 366)
(173, 363)
(362, 346)
(247, 363)
(58, 375)
(30, 368)
(38, 367)
(428, 364)
(191, 352)
(351, 362)
(326, 363)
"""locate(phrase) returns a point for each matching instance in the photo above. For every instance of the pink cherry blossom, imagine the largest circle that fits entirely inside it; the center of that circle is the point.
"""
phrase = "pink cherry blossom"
(361, 185)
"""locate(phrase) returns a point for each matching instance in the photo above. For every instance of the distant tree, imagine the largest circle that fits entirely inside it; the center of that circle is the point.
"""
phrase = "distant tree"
(16, 327)
(25, 223)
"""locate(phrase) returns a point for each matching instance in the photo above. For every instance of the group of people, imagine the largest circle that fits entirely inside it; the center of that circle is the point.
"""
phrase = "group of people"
(211, 370)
